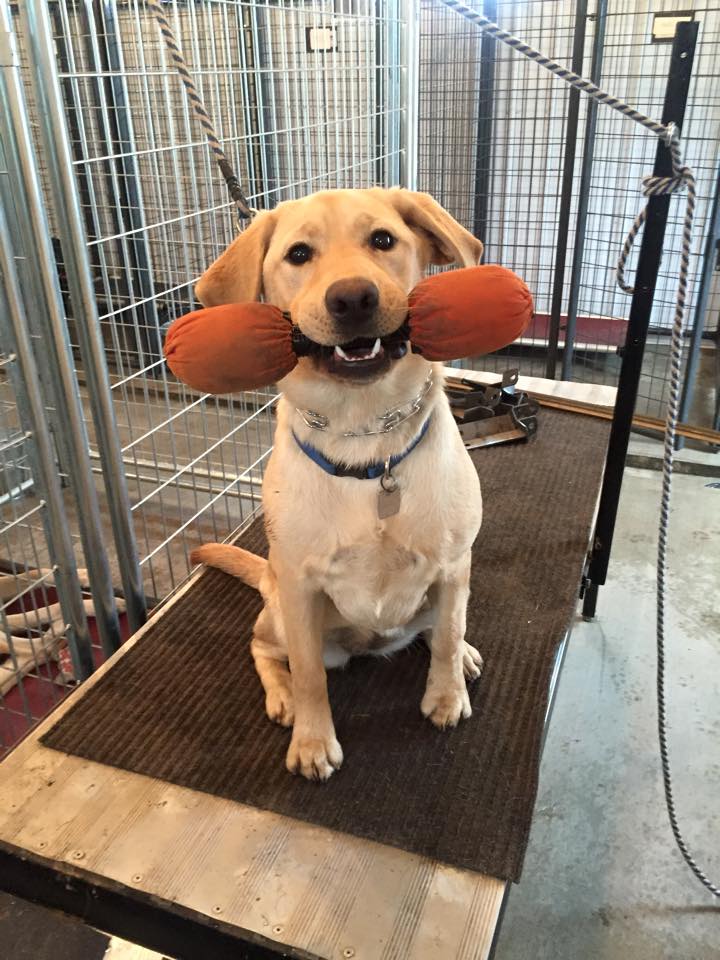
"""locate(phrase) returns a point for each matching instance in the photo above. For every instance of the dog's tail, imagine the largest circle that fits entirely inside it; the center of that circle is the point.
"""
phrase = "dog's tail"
(233, 560)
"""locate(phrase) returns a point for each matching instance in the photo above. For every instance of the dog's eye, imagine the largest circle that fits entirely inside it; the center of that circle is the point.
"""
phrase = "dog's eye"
(382, 240)
(299, 253)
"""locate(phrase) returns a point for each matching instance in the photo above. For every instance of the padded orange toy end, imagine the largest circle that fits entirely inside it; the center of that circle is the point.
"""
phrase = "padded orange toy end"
(468, 312)
(230, 348)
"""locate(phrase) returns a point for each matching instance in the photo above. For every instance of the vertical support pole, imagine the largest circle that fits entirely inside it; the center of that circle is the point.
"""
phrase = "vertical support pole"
(410, 74)
(74, 127)
(584, 194)
(259, 37)
(394, 91)
(381, 93)
(676, 92)
(571, 130)
(59, 159)
(14, 331)
(483, 148)
(42, 289)
(251, 105)
(710, 254)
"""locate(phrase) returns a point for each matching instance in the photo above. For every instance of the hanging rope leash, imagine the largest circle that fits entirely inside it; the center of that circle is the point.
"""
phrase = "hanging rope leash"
(244, 210)
(652, 186)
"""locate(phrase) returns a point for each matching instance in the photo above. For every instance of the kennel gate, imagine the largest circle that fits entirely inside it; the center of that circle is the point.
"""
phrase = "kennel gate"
(305, 96)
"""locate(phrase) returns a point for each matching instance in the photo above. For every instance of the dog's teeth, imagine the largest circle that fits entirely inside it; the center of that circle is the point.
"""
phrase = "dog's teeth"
(366, 355)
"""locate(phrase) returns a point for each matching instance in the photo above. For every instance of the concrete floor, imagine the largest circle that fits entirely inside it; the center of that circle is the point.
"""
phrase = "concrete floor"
(602, 877)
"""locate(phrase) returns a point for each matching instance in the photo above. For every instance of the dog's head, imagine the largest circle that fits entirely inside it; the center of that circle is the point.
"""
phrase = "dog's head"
(342, 263)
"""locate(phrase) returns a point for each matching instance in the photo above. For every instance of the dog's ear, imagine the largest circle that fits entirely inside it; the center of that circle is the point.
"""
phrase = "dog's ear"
(236, 275)
(445, 239)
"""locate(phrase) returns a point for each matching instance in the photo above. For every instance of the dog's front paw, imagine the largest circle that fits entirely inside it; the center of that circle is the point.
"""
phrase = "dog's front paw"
(472, 661)
(314, 757)
(445, 706)
(279, 705)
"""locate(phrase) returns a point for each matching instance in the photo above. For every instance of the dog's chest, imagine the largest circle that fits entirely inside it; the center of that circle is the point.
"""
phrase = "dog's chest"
(376, 581)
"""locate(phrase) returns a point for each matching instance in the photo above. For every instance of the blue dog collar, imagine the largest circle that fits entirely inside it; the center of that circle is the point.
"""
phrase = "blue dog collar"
(371, 472)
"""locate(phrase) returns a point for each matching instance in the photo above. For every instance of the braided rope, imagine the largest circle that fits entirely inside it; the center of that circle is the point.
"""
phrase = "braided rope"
(652, 186)
(682, 176)
(244, 210)
(569, 76)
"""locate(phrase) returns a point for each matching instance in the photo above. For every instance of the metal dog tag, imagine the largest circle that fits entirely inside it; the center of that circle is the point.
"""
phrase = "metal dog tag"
(388, 495)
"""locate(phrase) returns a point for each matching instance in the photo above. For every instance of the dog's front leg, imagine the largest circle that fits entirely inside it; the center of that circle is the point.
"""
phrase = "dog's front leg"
(314, 750)
(446, 698)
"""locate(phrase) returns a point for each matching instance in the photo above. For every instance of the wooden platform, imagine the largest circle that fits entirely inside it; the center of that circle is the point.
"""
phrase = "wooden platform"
(196, 876)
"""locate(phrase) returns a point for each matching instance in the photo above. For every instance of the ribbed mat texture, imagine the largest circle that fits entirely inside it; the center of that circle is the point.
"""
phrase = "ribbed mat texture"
(184, 704)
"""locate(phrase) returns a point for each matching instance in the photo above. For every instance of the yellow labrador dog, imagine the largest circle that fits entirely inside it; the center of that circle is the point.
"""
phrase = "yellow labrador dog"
(371, 502)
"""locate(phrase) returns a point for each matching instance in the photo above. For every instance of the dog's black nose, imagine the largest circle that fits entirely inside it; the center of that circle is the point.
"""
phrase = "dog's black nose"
(352, 301)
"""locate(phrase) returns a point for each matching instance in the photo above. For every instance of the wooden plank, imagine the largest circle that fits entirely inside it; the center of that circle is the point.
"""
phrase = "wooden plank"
(592, 394)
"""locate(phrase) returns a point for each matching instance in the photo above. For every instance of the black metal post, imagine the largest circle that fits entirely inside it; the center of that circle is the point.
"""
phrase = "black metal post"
(571, 130)
(676, 92)
(583, 194)
(710, 256)
(483, 148)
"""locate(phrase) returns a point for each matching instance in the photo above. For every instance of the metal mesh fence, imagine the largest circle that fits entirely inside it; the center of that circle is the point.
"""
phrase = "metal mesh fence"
(304, 97)
(504, 122)
(34, 627)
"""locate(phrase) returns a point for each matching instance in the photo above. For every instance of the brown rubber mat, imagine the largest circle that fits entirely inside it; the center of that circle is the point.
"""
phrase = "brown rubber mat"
(184, 704)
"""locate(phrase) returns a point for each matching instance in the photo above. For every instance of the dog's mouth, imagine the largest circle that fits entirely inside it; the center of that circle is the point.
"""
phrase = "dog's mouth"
(356, 359)
(363, 357)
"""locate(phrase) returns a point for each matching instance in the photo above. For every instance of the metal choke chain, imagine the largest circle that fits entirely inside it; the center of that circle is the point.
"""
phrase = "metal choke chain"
(652, 186)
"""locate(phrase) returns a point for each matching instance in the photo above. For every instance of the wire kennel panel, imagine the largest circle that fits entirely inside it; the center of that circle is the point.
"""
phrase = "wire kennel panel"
(45, 643)
(32, 622)
(631, 66)
(518, 166)
(304, 97)
(495, 157)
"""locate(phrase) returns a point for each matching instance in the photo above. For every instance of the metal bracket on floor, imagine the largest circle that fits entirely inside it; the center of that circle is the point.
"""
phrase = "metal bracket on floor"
(488, 414)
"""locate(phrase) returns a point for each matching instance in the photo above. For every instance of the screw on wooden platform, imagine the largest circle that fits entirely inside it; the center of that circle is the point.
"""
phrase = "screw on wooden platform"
(348, 952)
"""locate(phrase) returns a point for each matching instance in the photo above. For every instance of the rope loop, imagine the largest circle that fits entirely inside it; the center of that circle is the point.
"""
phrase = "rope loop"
(653, 186)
